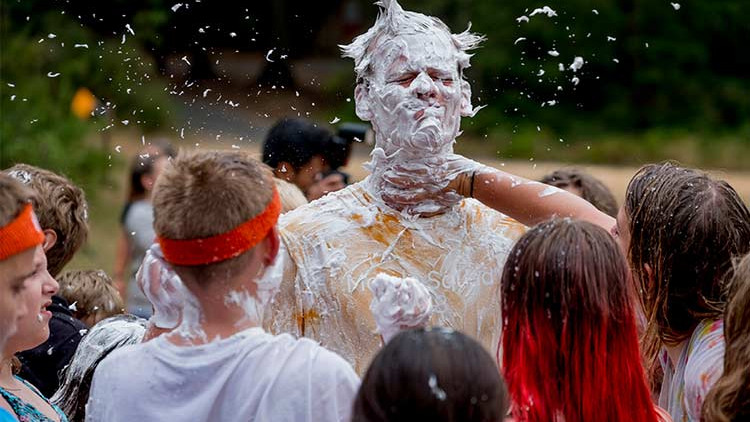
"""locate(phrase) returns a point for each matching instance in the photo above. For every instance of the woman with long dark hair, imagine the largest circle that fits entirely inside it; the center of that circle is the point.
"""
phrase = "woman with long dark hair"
(570, 344)
(137, 233)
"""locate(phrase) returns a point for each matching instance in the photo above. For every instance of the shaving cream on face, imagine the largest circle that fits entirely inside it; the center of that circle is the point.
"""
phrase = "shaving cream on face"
(415, 97)
(399, 303)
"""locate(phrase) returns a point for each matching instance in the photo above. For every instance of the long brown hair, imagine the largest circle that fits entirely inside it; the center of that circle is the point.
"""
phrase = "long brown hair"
(729, 400)
(686, 228)
(570, 343)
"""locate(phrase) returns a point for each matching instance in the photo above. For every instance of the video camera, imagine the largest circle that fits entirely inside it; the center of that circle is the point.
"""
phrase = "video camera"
(339, 147)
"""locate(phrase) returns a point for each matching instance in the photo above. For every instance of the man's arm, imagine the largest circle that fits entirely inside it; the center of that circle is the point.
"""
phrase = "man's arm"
(525, 200)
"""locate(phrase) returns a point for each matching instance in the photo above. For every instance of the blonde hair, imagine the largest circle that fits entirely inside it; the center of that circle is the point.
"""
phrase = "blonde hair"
(59, 205)
(291, 196)
(90, 293)
(729, 399)
(13, 197)
(205, 193)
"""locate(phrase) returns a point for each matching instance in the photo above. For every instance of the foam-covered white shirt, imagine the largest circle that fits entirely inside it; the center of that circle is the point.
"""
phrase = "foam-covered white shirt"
(251, 376)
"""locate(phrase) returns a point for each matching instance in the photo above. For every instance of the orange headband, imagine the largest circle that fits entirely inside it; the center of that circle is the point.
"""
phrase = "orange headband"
(222, 246)
(20, 234)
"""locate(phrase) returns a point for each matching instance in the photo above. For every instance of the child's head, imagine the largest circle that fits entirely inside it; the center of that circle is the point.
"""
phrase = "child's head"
(295, 149)
(145, 169)
(569, 342)
(584, 185)
(729, 399)
(681, 229)
(431, 375)
(215, 194)
(91, 295)
(62, 211)
(20, 240)
(106, 336)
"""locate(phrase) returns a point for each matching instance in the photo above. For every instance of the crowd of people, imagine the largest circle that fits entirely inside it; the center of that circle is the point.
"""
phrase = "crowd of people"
(437, 288)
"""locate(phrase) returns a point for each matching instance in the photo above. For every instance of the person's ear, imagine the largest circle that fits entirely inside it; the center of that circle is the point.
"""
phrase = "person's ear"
(467, 110)
(50, 238)
(285, 171)
(362, 101)
(272, 246)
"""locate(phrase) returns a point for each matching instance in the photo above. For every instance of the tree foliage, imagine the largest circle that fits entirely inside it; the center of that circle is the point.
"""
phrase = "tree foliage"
(44, 60)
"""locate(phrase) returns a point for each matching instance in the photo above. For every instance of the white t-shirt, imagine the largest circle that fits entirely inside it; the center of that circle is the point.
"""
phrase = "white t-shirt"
(251, 376)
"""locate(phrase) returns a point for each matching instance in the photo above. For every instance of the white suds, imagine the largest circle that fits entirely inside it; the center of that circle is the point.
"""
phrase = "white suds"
(438, 392)
(546, 10)
(553, 53)
(549, 190)
(577, 63)
(676, 6)
(399, 303)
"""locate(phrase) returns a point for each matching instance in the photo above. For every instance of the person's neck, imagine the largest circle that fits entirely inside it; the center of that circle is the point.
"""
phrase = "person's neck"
(6, 371)
(674, 352)
(219, 316)
(414, 172)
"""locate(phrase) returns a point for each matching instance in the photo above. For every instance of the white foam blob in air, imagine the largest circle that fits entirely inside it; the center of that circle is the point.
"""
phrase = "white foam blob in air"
(546, 10)
(577, 64)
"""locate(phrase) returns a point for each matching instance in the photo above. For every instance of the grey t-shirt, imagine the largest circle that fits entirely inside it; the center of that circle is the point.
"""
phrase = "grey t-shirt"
(139, 228)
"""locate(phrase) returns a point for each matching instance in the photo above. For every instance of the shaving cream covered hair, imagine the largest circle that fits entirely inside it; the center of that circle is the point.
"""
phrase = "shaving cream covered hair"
(393, 20)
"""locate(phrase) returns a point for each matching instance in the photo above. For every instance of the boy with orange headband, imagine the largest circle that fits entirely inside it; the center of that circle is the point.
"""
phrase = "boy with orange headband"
(61, 208)
(20, 236)
(215, 219)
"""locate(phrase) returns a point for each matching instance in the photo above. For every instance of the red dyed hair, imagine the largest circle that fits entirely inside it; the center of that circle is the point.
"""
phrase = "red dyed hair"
(570, 346)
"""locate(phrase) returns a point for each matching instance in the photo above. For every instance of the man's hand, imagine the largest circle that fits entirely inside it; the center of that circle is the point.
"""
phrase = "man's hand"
(330, 183)
(440, 183)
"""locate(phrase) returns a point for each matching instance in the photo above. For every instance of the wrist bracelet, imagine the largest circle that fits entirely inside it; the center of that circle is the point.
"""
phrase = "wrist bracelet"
(471, 187)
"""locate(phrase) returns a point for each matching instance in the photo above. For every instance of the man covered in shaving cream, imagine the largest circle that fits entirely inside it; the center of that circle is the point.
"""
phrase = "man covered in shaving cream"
(410, 86)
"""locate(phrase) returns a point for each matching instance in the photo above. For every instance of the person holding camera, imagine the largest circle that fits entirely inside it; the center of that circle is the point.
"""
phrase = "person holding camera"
(297, 151)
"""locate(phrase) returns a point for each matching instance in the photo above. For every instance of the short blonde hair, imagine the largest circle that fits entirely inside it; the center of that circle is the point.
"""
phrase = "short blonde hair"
(90, 292)
(205, 193)
(13, 198)
(59, 205)
(291, 196)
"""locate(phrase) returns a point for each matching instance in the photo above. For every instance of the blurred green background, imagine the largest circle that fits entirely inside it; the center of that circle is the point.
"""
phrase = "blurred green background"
(660, 80)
